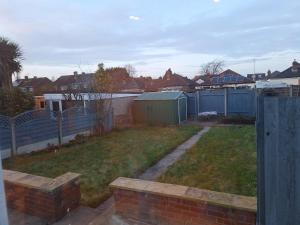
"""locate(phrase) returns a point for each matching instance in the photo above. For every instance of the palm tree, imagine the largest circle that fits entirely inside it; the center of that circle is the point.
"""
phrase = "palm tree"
(10, 61)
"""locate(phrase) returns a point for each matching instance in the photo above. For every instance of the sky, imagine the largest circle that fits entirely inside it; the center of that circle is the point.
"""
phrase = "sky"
(62, 36)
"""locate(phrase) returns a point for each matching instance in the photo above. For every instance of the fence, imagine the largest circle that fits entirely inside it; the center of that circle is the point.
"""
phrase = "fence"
(37, 129)
(227, 101)
(278, 153)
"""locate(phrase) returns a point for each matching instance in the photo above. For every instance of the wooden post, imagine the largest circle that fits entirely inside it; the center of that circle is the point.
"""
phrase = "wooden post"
(13, 137)
(59, 125)
(291, 91)
(225, 102)
(3, 211)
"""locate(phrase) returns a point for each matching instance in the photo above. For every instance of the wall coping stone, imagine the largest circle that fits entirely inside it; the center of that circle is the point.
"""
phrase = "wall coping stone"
(37, 182)
(188, 193)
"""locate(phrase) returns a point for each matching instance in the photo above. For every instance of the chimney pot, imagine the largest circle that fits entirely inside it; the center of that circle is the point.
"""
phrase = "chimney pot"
(75, 73)
(26, 77)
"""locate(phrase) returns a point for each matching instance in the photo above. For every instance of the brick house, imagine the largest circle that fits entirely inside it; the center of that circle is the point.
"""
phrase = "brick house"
(37, 86)
(175, 82)
(290, 76)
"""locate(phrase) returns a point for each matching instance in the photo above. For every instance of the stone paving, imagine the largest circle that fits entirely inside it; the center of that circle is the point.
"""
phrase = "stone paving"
(104, 214)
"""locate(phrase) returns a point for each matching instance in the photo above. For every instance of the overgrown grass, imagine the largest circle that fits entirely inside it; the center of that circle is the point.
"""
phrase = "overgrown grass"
(223, 160)
(102, 159)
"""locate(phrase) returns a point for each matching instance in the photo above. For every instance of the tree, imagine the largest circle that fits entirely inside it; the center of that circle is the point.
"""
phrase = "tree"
(10, 61)
(130, 70)
(101, 96)
(212, 68)
(15, 101)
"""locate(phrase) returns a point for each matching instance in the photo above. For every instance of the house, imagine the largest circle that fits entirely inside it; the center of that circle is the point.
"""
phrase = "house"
(37, 86)
(120, 79)
(256, 76)
(175, 82)
(201, 78)
(228, 78)
(290, 76)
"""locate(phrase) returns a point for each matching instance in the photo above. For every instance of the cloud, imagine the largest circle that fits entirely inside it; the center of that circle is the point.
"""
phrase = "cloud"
(216, 1)
(136, 18)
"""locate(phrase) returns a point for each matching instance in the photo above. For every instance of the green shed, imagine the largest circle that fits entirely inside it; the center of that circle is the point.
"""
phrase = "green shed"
(160, 108)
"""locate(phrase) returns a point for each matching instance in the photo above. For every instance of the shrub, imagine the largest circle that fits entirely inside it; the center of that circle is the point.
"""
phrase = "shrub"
(15, 101)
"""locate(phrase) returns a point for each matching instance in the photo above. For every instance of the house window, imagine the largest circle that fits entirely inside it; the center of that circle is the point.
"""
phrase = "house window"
(42, 104)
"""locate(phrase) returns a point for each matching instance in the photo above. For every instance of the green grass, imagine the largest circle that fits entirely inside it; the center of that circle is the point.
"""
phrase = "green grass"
(102, 159)
(223, 160)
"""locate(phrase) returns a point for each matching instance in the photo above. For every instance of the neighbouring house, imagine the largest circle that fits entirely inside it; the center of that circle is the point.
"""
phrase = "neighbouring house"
(37, 86)
(228, 78)
(121, 81)
(256, 76)
(175, 82)
(290, 76)
(160, 108)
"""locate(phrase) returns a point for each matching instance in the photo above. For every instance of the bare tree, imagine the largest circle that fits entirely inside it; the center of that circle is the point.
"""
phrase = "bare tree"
(130, 70)
(212, 68)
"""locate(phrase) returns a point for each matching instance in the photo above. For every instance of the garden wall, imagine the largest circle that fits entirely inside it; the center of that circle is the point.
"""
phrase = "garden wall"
(47, 198)
(166, 204)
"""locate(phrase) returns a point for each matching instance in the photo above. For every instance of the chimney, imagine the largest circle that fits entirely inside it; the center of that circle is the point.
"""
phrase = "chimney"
(75, 73)
(168, 74)
(35, 77)
(295, 66)
(26, 77)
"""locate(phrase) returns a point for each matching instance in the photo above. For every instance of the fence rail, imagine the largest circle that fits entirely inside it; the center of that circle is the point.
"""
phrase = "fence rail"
(37, 129)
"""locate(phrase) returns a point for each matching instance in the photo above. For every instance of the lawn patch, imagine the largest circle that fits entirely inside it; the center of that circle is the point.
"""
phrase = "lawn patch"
(223, 160)
(102, 159)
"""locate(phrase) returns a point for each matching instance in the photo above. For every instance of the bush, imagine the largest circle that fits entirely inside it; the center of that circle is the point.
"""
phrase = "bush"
(15, 101)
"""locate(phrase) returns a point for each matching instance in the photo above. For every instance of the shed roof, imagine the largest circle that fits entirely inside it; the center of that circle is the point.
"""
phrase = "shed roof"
(168, 95)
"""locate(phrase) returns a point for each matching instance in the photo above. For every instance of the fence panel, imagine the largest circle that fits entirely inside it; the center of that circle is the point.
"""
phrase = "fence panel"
(241, 102)
(35, 126)
(192, 104)
(278, 132)
(5, 133)
(76, 120)
(212, 100)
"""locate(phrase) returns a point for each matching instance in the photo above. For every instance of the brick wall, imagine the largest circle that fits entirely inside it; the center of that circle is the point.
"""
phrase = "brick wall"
(43, 197)
(163, 204)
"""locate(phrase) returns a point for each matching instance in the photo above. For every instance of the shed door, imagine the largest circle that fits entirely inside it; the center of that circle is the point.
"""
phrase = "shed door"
(182, 109)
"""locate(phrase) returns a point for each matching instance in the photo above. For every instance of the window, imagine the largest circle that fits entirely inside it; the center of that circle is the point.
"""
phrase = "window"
(42, 104)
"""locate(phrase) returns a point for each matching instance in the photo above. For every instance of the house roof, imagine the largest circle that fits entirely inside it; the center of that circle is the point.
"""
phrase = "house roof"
(70, 79)
(291, 72)
(225, 78)
(34, 82)
(170, 95)
(171, 79)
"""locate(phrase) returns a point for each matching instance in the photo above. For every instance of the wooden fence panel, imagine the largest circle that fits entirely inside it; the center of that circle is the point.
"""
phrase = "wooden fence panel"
(278, 141)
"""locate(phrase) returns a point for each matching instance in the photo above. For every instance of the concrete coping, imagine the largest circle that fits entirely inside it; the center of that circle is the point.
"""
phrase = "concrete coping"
(42, 183)
(183, 192)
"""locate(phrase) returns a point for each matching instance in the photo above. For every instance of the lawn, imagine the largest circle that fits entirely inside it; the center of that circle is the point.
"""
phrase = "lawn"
(102, 159)
(223, 160)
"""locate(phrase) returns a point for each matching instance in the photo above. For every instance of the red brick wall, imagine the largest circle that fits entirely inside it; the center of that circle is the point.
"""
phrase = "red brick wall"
(163, 210)
(51, 205)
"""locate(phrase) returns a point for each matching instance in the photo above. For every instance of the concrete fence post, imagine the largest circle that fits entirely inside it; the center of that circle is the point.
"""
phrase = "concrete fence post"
(291, 91)
(226, 102)
(13, 136)
(59, 126)
(3, 211)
